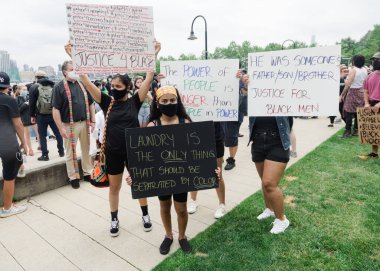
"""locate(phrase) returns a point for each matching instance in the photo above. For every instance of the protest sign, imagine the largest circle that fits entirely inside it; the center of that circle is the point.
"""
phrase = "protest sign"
(111, 39)
(209, 89)
(299, 82)
(171, 159)
(369, 127)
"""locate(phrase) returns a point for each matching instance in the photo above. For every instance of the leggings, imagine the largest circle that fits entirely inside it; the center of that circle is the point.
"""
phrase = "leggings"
(348, 118)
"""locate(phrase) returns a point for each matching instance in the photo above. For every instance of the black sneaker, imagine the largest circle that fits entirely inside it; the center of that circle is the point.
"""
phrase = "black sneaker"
(87, 178)
(185, 245)
(230, 163)
(165, 246)
(355, 132)
(347, 134)
(61, 154)
(146, 223)
(114, 231)
(43, 158)
(75, 184)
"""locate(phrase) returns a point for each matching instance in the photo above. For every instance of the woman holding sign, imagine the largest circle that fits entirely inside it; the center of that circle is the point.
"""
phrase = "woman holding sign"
(270, 137)
(123, 114)
(167, 109)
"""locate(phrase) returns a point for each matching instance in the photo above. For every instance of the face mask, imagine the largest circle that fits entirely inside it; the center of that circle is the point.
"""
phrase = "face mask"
(24, 93)
(73, 75)
(118, 94)
(168, 109)
(376, 65)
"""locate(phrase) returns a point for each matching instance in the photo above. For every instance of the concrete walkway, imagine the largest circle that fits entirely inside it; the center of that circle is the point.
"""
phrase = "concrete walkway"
(68, 229)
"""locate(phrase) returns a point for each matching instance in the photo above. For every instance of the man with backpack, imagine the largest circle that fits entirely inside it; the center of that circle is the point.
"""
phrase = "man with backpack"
(40, 95)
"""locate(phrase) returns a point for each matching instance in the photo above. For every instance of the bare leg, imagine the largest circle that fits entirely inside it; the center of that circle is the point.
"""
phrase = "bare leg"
(27, 140)
(193, 195)
(182, 218)
(272, 174)
(166, 217)
(260, 170)
(233, 151)
(221, 190)
(143, 201)
(115, 186)
(293, 141)
(8, 192)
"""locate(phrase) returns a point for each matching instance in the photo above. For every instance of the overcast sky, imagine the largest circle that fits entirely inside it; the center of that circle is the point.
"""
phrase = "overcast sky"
(34, 32)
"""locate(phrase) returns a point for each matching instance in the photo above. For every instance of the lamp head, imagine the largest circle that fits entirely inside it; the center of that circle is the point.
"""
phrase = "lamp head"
(192, 36)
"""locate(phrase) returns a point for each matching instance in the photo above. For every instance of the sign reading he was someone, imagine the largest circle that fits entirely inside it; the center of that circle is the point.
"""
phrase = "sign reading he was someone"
(209, 89)
(171, 159)
(300, 82)
(111, 39)
(369, 127)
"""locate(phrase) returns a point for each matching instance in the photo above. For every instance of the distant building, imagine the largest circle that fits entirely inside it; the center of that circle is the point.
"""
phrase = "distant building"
(9, 66)
(26, 68)
(313, 40)
(27, 76)
(49, 70)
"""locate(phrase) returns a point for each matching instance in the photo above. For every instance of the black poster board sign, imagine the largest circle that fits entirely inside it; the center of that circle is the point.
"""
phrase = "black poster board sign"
(171, 159)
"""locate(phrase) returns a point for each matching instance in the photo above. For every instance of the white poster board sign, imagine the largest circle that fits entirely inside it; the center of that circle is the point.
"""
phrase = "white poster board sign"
(111, 39)
(299, 82)
(209, 89)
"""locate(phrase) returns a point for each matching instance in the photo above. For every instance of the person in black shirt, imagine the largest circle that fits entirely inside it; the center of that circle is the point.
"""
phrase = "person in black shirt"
(124, 114)
(43, 116)
(81, 105)
(11, 157)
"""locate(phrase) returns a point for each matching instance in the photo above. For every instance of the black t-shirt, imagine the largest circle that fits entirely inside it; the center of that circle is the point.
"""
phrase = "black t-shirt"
(124, 114)
(263, 124)
(8, 111)
(218, 133)
(61, 102)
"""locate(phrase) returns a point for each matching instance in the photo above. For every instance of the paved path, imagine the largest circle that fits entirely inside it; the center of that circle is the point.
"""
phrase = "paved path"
(67, 229)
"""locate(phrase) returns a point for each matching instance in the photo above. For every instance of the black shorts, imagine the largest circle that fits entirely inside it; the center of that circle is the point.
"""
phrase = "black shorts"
(373, 102)
(181, 197)
(11, 160)
(219, 149)
(268, 146)
(116, 162)
(230, 132)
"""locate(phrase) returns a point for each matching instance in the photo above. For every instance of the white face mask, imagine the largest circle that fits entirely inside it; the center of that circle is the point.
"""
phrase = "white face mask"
(73, 75)
(24, 93)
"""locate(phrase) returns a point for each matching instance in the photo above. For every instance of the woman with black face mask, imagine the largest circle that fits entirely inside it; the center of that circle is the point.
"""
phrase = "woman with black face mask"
(167, 109)
(123, 114)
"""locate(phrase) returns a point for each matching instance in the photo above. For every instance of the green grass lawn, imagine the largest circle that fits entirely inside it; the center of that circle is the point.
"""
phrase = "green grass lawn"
(333, 205)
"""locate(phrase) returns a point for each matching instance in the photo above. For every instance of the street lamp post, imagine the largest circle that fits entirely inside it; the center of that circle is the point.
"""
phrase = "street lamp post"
(193, 37)
(294, 44)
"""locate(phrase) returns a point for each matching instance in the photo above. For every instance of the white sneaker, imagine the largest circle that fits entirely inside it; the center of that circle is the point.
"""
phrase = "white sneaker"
(147, 225)
(21, 173)
(265, 214)
(220, 212)
(280, 226)
(14, 210)
(192, 206)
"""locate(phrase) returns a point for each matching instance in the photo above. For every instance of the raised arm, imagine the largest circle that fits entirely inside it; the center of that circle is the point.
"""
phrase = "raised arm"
(145, 86)
(91, 88)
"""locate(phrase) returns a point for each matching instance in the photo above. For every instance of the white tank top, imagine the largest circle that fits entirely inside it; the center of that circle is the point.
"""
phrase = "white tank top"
(360, 75)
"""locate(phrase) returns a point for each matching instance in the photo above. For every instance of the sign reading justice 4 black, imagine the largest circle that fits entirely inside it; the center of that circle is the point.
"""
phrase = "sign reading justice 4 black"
(171, 159)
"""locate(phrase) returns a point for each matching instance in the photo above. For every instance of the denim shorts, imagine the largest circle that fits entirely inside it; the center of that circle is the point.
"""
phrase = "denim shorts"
(268, 146)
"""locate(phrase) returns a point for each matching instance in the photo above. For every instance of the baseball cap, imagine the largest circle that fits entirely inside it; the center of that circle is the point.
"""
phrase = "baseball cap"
(40, 74)
(377, 55)
(4, 80)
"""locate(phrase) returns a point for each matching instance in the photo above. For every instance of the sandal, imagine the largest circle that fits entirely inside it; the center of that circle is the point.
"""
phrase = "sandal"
(368, 156)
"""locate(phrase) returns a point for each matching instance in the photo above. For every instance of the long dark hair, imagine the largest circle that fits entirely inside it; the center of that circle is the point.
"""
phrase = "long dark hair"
(125, 79)
(155, 113)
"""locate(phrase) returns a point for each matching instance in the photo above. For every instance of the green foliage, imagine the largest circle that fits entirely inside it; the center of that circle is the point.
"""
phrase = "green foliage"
(368, 45)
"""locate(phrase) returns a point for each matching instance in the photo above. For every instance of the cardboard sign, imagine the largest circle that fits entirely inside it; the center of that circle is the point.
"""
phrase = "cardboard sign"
(300, 82)
(171, 159)
(209, 89)
(111, 39)
(369, 127)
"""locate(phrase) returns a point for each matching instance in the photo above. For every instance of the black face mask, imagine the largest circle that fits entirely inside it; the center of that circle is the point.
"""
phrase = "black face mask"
(376, 65)
(168, 109)
(118, 94)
